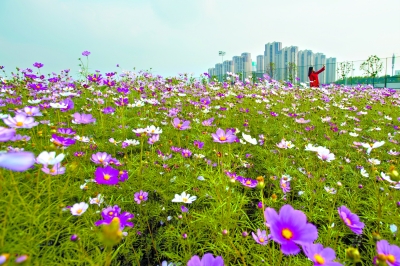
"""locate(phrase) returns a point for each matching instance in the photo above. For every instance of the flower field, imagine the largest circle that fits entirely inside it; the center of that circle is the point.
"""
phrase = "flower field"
(135, 169)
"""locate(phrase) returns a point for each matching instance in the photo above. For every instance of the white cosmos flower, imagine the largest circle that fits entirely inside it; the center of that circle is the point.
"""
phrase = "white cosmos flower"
(353, 134)
(58, 105)
(364, 173)
(369, 146)
(249, 139)
(79, 208)
(49, 158)
(311, 147)
(325, 155)
(97, 200)
(132, 142)
(374, 161)
(185, 198)
(153, 130)
(34, 101)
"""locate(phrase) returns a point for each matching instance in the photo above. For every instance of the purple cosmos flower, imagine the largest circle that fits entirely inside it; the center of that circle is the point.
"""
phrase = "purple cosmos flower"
(285, 185)
(198, 144)
(66, 131)
(140, 196)
(83, 119)
(208, 122)
(94, 78)
(61, 142)
(186, 153)
(85, 53)
(123, 175)
(6, 134)
(122, 101)
(320, 255)
(21, 259)
(261, 237)
(205, 101)
(106, 176)
(387, 254)
(184, 208)
(108, 110)
(17, 161)
(38, 65)
(111, 213)
(68, 103)
(20, 121)
(351, 220)
(290, 227)
(180, 124)
(223, 137)
(207, 260)
(247, 182)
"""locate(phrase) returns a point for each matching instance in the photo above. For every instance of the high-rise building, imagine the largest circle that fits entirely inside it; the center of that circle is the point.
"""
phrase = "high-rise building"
(330, 70)
(237, 64)
(218, 71)
(305, 60)
(227, 66)
(260, 64)
(271, 53)
(319, 62)
(246, 57)
(287, 63)
(211, 72)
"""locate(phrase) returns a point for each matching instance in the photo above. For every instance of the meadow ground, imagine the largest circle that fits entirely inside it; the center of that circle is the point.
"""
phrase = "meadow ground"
(135, 169)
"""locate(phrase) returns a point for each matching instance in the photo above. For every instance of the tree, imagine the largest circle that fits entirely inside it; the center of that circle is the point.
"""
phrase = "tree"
(292, 68)
(270, 69)
(344, 69)
(371, 67)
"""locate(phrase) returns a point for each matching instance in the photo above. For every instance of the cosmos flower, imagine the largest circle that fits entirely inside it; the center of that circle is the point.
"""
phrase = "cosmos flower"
(112, 213)
(261, 237)
(66, 131)
(370, 146)
(249, 139)
(387, 254)
(20, 121)
(31, 111)
(49, 158)
(99, 199)
(185, 198)
(180, 124)
(83, 119)
(153, 139)
(290, 227)
(79, 208)
(285, 144)
(208, 122)
(325, 155)
(153, 130)
(6, 134)
(106, 176)
(61, 141)
(140, 196)
(101, 158)
(17, 161)
(57, 169)
(351, 220)
(320, 255)
(223, 137)
(207, 260)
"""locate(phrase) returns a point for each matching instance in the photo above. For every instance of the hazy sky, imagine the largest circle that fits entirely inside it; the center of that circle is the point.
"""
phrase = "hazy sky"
(176, 36)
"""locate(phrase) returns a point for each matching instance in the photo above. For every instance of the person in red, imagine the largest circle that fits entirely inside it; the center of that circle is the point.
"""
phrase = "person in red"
(313, 76)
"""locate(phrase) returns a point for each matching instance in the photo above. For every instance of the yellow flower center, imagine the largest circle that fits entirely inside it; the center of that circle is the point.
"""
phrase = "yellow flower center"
(248, 182)
(79, 211)
(185, 199)
(107, 177)
(319, 259)
(141, 197)
(261, 239)
(391, 258)
(179, 126)
(223, 138)
(52, 171)
(29, 113)
(347, 221)
(110, 213)
(19, 124)
(286, 233)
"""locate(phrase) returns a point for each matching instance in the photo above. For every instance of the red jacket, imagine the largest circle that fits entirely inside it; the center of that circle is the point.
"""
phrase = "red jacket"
(314, 82)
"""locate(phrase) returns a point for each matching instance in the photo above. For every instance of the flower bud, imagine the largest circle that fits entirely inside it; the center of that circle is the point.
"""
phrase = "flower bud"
(353, 254)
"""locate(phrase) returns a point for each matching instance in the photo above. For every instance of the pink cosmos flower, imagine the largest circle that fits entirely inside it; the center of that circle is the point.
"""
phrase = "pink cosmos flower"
(351, 220)
(20, 121)
(83, 119)
(180, 124)
(6, 134)
(320, 255)
(302, 121)
(223, 137)
(57, 169)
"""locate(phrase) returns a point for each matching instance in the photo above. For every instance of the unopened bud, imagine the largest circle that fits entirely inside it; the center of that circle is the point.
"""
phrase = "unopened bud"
(353, 254)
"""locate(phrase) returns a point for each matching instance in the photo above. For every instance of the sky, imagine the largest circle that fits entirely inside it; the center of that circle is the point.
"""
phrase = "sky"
(170, 37)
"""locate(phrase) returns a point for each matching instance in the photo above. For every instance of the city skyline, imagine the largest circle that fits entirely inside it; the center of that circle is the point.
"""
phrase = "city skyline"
(281, 63)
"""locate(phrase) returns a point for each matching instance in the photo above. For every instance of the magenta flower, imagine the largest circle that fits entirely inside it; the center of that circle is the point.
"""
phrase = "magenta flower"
(387, 254)
(207, 260)
(320, 255)
(83, 119)
(180, 124)
(17, 161)
(186, 153)
(261, 237)
(20, 121)
(351, 220)
(6, 134)
(94, 78)
(106, 176)
(112, 213)
(61, 141)
(208, 122)
(123, 175)
(285, 185)
(38, 65)
(302, 121)
(198, 144)
(224, 137)
(140, 196)
(247, 182)
(153, 139)
(85, 53)
(290, 227)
